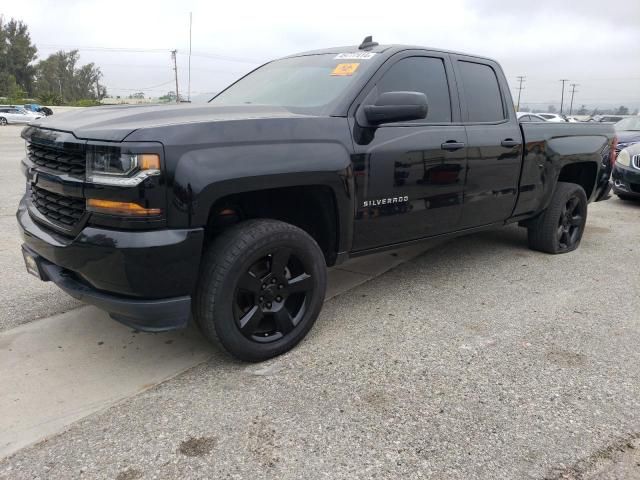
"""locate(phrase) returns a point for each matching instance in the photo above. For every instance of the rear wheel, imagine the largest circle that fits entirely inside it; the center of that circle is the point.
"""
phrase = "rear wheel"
(261, 288)
(559, 229)
(3, 121)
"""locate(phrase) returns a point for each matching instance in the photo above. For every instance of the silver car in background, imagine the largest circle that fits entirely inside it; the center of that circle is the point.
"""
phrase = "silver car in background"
(9, 114)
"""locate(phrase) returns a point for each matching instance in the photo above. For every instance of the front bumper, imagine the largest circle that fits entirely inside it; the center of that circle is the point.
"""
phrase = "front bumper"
(142, 278)
(626, 181)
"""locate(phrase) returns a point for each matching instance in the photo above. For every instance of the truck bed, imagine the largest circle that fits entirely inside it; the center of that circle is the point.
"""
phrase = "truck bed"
(548, 147)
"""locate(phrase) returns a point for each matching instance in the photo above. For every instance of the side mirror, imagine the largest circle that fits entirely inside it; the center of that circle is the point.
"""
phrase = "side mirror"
(397, 107)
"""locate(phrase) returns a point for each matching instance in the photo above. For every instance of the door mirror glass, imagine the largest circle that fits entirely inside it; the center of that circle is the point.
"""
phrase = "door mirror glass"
(397, 107)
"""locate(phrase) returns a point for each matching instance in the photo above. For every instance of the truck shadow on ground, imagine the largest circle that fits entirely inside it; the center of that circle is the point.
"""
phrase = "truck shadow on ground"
(512, 238)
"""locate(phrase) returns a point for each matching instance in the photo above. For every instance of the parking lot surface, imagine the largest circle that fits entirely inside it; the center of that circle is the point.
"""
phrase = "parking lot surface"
(477, 359)
(23, 298)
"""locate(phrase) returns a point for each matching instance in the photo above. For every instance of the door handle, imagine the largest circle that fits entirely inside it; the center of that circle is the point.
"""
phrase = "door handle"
(452, 145)
(509, 142)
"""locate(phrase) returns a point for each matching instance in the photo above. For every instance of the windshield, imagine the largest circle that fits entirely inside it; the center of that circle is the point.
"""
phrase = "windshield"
(631, 123)
(305, 84)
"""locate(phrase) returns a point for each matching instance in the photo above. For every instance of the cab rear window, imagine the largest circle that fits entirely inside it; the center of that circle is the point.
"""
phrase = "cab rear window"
(481, 92)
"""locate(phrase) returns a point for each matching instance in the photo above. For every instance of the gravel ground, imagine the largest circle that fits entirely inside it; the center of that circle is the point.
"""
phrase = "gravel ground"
(24, 298)
(478, 360)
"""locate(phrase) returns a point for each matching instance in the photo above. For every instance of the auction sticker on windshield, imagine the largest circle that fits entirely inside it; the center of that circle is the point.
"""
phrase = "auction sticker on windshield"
(345, 69)
(354, 56)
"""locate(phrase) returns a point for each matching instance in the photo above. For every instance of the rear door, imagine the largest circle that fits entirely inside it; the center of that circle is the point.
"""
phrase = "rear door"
(494, 142)
(409, 175)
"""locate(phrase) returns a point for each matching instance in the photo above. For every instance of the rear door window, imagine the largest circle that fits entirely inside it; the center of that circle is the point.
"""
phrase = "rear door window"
(481, 92)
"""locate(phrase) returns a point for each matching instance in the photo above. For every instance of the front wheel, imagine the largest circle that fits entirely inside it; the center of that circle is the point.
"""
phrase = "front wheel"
(626, 198)
(261, 288)
(3, 121)
(559, 229)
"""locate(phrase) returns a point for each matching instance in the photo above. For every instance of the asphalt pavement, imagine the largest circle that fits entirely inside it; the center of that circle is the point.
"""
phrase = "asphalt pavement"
(479, 359)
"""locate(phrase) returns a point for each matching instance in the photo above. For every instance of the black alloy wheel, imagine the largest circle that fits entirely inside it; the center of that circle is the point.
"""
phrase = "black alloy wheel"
(261, 288)
(272, 296)
(571, 222)
(560, 227)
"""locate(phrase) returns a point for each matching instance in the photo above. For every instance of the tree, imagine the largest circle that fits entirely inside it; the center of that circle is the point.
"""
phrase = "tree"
(16, 54)
(59, 75)
(622, 110)
(169, 97)
(137, 95)
(14, 92)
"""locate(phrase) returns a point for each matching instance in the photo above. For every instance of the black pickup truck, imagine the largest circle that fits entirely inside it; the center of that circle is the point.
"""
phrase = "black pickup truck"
(230, 212)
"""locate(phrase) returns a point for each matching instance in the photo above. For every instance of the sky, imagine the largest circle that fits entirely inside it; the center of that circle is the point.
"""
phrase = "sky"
(592, 43)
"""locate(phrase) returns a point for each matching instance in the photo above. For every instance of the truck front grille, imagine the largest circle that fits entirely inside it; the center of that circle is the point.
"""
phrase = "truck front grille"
(65, 161)
(58, 208)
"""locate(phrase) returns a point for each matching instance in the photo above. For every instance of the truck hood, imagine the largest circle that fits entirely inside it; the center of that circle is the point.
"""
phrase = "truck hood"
(115, 123)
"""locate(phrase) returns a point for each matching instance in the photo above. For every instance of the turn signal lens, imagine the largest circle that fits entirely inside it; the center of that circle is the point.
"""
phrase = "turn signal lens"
(149, 161)
(120, 208)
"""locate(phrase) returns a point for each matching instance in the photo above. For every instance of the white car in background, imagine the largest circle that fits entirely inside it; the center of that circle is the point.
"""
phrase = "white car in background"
(529, 117)
(17, 115)
(553, 117)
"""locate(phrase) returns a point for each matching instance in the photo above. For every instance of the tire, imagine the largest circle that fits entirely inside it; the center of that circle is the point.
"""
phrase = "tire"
(560, 227)
(261, 287)
(626, 198)
(3, 121)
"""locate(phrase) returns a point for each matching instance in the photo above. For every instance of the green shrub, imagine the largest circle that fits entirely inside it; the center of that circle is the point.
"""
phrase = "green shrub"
(87, 102)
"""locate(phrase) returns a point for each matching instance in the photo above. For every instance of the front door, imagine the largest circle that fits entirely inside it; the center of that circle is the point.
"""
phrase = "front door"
(410, 176)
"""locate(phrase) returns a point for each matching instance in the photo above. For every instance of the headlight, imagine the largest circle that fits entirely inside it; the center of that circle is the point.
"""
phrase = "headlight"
(110, 166)
(624, 158)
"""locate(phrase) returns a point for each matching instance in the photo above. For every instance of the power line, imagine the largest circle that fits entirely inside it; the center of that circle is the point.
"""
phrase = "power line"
(105, 49)
(152, 87)
(211, 55)
(216, 56)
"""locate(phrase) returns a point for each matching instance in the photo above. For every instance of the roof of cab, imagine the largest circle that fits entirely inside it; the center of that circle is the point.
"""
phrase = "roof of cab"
(389, 50)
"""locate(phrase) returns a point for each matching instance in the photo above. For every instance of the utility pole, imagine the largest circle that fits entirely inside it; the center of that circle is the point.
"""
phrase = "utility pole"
(521, 79)
(189, 88)
(563, 80)
(175, 69)
(573, 92)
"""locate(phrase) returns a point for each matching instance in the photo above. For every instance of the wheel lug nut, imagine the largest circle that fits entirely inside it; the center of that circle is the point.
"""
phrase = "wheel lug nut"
(264, 285)
(273, 280)
(268, 304)
(279, 299)
(280, 287)
(261, 298)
